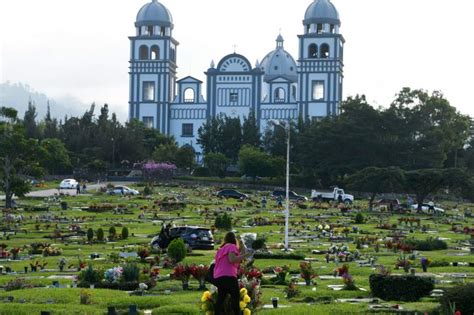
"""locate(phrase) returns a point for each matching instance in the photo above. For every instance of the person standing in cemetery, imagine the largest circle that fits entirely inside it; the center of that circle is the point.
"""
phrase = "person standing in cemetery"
(78, 188)
(227, 261)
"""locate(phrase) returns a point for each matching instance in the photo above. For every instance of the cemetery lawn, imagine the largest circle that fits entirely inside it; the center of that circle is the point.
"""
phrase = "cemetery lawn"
(143, 218)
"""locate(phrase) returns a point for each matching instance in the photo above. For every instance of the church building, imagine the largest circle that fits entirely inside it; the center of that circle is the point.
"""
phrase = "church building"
(277, 88)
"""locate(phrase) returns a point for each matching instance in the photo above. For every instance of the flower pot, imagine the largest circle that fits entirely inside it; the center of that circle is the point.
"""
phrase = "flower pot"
(111, 310)
(185, 285)
(308, 281)
(455, 264)
(275, 302)
(33, 268)
(26, 269)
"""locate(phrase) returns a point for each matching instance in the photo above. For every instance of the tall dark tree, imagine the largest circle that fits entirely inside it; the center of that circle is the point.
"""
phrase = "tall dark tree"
(50, 125)
(250, 131)
(29, 121)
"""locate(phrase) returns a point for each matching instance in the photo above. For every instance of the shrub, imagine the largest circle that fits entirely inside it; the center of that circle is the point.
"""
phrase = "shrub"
(112, 232)
(124, 232)
(359, 218)
(177, 250)
(17, 284)
(130, 272)
(400, 288)
(461, 297)
(427, 245)
(148, 190)
(201, 172)
(100, 235)
(90, 234)
(223, 221)
(89, 276)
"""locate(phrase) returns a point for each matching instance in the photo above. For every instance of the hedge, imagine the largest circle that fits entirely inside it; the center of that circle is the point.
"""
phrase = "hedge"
(461, 297)
(279, 256)
(400, 288)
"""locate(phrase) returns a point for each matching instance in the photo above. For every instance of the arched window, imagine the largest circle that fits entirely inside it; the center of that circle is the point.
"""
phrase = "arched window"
(324, 51)
(155, 53)
(279, 95)
(189, 95)
(313, 51)
(143, 52)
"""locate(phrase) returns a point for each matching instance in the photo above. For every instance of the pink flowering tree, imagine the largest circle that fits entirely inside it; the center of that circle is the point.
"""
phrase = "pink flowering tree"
(153, 171)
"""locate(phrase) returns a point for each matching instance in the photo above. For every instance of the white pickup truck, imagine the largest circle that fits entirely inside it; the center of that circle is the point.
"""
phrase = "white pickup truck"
(331, 195)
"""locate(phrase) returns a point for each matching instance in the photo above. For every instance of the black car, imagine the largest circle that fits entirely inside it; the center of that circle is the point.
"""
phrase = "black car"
(194, 237)
(231, 193)
(291, 194)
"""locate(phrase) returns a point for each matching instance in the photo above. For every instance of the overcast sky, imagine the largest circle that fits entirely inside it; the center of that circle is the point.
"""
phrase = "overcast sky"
(80, 48)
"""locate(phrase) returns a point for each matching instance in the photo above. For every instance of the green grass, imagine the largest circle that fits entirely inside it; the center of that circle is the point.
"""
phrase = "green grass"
(66, 301)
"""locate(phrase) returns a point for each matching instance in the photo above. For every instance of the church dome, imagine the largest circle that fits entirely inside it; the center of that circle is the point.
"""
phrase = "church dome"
(322, 11)
(279, 63)
(154, 13)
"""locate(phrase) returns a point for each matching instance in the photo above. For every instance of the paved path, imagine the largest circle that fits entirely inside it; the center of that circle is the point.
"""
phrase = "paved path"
(72, 192)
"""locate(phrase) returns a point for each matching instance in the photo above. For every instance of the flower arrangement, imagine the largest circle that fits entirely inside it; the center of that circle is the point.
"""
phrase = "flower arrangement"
(183, 273)
(52, 251)
(113, 275)
(154, 272)
(143, 252)
(384, 271)
(307, 272)
(403, 262)
(281, 273)
(199, 273)
(14, 252)
(349, 282)
(253, 290)
(209, 299)
(292, 290)
(253, 273)
(341, 270)
(85, 297)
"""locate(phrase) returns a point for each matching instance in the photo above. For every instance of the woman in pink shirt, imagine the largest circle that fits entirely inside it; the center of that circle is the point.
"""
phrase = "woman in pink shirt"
(227, 261)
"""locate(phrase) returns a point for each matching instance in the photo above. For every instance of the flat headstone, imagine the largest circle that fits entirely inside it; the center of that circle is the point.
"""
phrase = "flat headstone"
(128, 255)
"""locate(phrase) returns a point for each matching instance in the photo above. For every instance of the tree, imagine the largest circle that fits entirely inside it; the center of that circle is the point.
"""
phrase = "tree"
(254, 162)
(423, 182)
(50, 125)
(54, 157)
(166, 153)
(17, 157)
(376, 180)
(90, 234)
(186, 157)
(100, 235)
(216, 163)
(210, 135)
(250, 131)
(29, 121)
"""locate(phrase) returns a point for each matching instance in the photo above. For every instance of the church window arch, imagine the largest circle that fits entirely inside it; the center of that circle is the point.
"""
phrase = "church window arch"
(155, 53)
(324, 51)
(279, 94)
(143, 52)
(189, 95)
(313, 51)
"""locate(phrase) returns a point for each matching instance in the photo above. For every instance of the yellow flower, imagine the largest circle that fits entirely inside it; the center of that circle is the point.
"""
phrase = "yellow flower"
(205, 296)
(243, 292)
(242, 305)
(247, 299)
(247, 312)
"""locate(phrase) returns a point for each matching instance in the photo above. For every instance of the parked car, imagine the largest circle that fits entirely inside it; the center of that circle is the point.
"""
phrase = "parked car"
(68, 184)
(123, 190)
(334, 195)
(231, 193)
(291, 195)
(194, 237)
(426, 208)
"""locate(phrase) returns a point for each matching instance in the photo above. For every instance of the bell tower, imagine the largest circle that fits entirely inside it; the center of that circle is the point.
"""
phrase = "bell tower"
(320, 62)
(152, 67)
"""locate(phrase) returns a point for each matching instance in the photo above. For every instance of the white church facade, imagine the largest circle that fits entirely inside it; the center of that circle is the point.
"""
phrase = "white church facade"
(277, 88)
